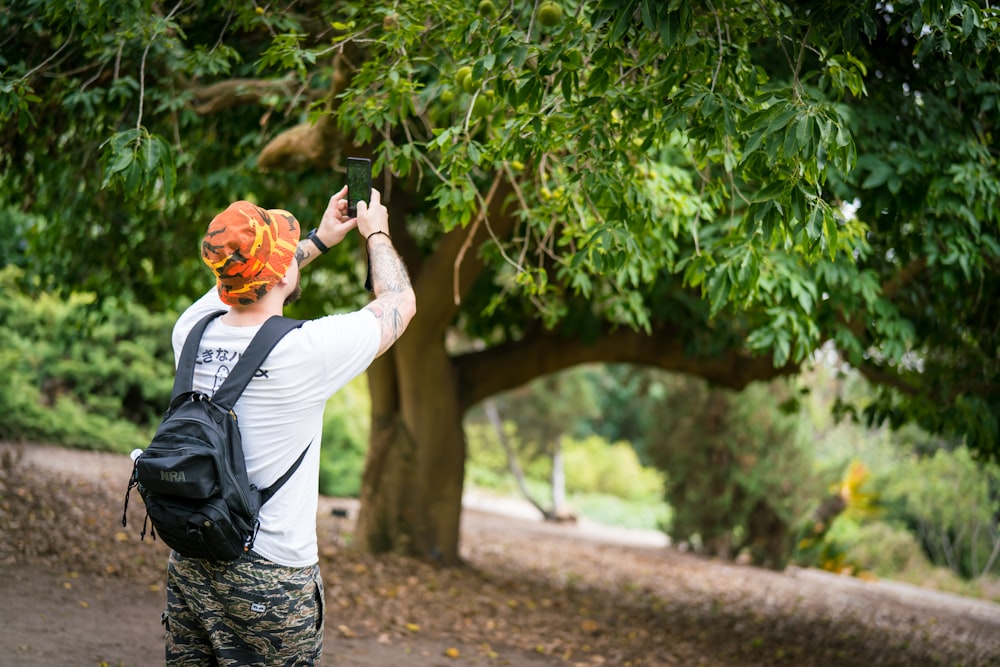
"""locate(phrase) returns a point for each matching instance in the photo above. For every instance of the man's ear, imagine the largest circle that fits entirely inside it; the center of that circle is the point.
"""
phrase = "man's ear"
(288, 278)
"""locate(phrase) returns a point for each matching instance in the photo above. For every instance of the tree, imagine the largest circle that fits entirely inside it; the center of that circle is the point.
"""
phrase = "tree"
(739, 474)
(950, 504)
(658, 183)
(544, 411)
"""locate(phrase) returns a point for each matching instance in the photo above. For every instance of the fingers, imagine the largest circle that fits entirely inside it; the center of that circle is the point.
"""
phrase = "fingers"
(374, 205)
(373, 215)
(336, 207)
(338, 203)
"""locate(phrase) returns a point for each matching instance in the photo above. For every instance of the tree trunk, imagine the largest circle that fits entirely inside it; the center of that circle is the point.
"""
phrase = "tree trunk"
(411, 493)
(515, 468)
(558, 480)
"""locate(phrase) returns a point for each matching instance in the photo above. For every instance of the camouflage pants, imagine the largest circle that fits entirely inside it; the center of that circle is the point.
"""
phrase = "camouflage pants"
(247, 612)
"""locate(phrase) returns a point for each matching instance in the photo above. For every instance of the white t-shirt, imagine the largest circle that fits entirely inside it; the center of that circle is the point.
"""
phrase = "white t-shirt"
(281, 410)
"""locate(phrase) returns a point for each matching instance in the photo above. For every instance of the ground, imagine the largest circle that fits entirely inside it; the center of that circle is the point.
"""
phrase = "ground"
(79, 589)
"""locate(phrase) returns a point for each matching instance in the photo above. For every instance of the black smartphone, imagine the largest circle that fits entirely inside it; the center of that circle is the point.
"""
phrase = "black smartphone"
(359, 183)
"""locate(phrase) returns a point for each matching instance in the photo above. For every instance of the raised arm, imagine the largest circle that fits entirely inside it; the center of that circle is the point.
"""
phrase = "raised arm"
(333, 227)
(395, 303)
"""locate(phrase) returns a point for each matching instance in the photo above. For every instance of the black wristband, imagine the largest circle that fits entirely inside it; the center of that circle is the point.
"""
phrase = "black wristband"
(368, 277)
(367, 238)
(315, 239)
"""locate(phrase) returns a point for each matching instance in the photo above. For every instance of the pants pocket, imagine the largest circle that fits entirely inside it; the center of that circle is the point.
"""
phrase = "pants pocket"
(320, 604)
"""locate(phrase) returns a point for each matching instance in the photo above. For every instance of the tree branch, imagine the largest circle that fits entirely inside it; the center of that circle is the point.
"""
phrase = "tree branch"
(515, 468)
(907, 275)
(318, 144)
(456, 287)
(881, 376)
(234, 92)
(484, 373)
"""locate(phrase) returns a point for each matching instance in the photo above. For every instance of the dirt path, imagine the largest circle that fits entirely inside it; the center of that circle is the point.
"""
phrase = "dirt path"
(79, 590)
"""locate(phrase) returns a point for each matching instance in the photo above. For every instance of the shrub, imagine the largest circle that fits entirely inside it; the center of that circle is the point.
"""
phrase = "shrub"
(594, 466)
(886, 550)
(79, 372)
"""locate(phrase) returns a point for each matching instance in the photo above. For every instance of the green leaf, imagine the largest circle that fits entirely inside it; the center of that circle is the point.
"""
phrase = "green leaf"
(843, 136)
(151, 154)
(879, 174)
(122, 160)
(622, 21)
(782, 119)
(670, 29)
(718, 292)
(647, 15)
(520, 56)
(772, 191)
(753, 144)
(969, 21)
(830, 227)
(814, 228)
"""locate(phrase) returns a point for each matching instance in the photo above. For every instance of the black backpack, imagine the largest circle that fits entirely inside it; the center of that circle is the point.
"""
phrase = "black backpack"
(192, 476)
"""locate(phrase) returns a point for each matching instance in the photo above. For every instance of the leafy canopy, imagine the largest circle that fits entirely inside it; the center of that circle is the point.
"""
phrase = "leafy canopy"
(765, 175)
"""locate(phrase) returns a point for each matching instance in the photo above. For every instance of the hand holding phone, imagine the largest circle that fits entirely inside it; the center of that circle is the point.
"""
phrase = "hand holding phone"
(359, 183)
(375, 220)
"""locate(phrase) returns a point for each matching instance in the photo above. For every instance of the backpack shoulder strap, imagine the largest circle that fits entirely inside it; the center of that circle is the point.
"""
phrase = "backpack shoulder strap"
(273, 330)
(266, 494)
(184, 378)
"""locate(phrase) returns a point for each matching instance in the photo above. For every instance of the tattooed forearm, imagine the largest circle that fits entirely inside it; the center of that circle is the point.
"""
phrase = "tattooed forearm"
(388, 272)
(304, 252)
(395, 304)
(390, 319)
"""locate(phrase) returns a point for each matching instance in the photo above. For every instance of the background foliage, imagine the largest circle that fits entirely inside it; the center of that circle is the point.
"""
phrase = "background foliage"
(80, 374)
(98, 374)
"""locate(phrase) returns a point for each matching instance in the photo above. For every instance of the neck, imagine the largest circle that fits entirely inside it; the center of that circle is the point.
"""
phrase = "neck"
(252, 315)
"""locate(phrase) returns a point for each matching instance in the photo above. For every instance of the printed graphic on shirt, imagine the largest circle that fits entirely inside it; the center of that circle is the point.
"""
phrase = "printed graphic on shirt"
(220, 377)
(218, 355)
(222, 356)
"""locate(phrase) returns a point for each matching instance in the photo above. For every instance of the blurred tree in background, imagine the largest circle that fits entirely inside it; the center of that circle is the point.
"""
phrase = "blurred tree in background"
(953, 507)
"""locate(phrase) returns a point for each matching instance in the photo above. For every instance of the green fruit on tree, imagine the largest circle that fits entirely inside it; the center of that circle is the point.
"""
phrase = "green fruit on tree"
(549, 14)
(487, 9)
(481, 107)
(462, 75)
(447, 95)
(469, 84)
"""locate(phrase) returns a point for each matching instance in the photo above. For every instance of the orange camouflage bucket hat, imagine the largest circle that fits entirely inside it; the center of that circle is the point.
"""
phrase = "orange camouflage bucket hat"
(249, 249)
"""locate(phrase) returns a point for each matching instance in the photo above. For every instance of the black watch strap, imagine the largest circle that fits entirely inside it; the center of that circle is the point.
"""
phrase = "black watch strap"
(315, 239)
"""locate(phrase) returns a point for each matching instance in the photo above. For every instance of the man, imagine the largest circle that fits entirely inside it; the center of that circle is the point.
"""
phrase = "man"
(266, 608)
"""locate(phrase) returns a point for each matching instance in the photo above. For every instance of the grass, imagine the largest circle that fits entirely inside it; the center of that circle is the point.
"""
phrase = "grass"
(646, 514)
